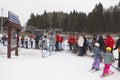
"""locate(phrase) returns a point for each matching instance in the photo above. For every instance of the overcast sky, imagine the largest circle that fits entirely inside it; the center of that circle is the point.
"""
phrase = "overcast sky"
(24, 8)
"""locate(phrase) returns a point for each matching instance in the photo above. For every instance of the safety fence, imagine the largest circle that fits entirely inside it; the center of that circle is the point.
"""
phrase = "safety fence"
(48, 48)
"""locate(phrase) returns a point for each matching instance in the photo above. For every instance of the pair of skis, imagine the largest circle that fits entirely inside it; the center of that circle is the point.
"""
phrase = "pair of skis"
(102, 76)
(109, 73)
(115, 67)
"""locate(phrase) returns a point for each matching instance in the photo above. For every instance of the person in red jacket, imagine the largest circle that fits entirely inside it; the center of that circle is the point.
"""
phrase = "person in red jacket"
(57, 39)
(31, 40)
(70, 42)
(74, 44)
(109, 42)
(60, 41)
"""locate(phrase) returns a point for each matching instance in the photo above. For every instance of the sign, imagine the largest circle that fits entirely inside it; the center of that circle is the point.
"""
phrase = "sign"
(13, 18)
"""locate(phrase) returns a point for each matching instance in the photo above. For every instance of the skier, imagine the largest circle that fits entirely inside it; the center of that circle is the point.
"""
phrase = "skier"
(45, 43)
(84, 45)
(57, 38)
(117, 46)
(109, 42)
(70, 42)
(31, 40)
(102, 45)
(97, 56)
(74, 44)
(37, 41)
(26, 41)
(4, 39)
(80, 45)
(22, 41)
(108, 60)
(94, 40)
(60, 42)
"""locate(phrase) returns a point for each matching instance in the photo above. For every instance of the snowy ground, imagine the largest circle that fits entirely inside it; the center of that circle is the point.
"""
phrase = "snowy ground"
(64, 65)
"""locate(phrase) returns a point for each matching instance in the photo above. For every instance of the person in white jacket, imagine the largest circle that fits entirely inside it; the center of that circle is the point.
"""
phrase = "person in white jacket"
(45, 43)
(80, 45)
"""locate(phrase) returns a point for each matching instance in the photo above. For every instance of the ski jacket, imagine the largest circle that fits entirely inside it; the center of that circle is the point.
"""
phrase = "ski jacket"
(101, 42)
(70, 40)
(80, 41)
(22, 38)
(97, 52)
(37, 38)
(57, 37)
(74, 40)
(61, 39)
(109, 42)
(31, 38)
(108, 58)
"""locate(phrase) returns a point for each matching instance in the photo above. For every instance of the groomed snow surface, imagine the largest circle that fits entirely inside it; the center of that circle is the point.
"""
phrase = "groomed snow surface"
(63, 65)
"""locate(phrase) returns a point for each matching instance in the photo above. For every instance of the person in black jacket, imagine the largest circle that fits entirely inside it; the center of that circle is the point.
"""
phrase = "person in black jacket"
(4, 38)
(102, 45)
(117, 46)
(37, 41)
(84, 45)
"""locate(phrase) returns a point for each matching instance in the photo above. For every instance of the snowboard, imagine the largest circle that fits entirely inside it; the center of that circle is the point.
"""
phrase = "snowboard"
(110, 73)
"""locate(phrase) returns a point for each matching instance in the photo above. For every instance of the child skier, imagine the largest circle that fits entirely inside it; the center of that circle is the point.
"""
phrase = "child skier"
(97, 57)
(108, 60)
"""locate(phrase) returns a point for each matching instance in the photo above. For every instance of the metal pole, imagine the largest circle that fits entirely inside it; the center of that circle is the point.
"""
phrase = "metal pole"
(2, 20)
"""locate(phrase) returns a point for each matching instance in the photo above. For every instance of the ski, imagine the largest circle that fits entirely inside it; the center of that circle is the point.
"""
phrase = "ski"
(115, 67)
(110, 73)
(93, 70)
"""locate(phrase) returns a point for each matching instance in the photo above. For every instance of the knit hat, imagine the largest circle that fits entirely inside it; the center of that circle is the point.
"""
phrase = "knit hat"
(97, 44)
(108, 49)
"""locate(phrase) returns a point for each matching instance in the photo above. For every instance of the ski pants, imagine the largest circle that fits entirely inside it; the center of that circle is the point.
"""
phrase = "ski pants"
(96, 63)
(57, 46)
(106, 68)
(80, 51)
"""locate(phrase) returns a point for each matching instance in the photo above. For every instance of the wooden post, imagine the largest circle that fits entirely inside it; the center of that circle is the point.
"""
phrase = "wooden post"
(16, 51)
(9, 43)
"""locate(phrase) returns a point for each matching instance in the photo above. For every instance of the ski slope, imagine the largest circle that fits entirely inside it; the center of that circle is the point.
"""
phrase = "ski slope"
(63, 65)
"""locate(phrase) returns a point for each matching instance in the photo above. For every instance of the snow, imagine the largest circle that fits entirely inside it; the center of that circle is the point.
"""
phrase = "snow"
(63, 65)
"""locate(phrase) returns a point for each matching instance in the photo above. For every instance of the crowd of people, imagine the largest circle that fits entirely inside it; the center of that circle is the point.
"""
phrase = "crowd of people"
(102, 48)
